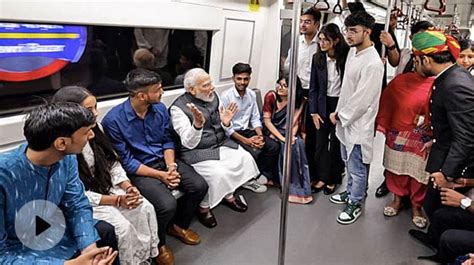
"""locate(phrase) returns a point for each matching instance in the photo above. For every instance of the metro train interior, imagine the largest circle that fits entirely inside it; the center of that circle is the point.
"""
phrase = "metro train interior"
(221, 33)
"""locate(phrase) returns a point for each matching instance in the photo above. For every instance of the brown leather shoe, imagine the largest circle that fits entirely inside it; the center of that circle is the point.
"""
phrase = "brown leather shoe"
(166, 256)
(187, 236)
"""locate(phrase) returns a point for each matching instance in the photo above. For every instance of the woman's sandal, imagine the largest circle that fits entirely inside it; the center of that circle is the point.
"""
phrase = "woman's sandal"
(419, 221)
(390, 211)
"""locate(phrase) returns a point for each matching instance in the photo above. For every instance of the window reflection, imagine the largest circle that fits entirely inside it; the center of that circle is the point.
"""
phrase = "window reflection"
(110, 53)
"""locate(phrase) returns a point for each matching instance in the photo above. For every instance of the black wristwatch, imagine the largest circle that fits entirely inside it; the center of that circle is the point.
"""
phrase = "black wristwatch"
(391, 48)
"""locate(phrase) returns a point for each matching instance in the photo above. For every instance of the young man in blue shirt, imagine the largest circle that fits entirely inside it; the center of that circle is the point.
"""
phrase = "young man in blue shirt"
(43, 170)
(140, 131)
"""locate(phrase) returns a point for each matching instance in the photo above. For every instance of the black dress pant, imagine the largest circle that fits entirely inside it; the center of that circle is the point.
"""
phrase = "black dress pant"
(108, 238)
(167, 208)
(447, 218)
(266, 157)
(454, 243)
(329, 164)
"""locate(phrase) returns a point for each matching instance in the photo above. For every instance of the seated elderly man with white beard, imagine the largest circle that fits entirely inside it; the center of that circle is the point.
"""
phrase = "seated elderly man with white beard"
(201, 122)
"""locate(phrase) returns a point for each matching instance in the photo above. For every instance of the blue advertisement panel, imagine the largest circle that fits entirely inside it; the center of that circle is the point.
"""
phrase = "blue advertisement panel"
(32, 51)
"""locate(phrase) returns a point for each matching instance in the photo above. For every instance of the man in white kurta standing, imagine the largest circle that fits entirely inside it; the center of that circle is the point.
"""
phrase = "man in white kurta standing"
(203, 125)
(356, 111)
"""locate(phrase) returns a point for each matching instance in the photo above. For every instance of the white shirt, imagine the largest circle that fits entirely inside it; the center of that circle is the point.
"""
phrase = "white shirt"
(305, 58)
(359, 100)
(334, 79)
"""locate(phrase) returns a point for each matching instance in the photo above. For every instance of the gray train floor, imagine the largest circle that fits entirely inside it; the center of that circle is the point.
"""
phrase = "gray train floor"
(313, 235)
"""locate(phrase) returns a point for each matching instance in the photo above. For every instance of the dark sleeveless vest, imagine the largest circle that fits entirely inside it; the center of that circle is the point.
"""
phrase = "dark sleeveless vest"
(213, 135)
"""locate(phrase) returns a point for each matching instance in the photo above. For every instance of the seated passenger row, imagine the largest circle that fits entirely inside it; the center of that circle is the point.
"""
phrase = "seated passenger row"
(142, 137)
(141, 132)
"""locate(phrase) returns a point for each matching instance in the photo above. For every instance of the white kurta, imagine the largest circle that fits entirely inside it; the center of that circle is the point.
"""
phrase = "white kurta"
(359, 101)
(136, 229)
(224, 176)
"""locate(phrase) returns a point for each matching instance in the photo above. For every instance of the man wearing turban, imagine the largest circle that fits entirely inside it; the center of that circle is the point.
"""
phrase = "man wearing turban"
(451, 160)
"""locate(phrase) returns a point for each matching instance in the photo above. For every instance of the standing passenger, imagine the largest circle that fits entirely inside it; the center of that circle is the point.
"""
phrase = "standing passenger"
(202, 123)
(325, 86)
(140, 131)
(403, 118)
(308, 45)
(114, 199)
(451, 111)
(356, 111)
(247, 127)
(405, 65)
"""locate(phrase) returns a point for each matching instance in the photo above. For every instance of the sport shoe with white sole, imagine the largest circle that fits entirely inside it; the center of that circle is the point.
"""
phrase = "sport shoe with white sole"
(350, 213)
(340, 198)
(254, 186)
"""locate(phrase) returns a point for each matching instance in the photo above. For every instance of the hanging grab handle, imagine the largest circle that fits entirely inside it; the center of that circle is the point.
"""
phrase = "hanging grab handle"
(337, 8)
(323, 2)
(441, 9)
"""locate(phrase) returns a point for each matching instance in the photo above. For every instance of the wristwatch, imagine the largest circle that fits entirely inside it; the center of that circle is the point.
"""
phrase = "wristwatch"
(466, 203)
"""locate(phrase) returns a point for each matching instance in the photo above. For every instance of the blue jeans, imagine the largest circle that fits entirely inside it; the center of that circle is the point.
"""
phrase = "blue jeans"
(357, 172)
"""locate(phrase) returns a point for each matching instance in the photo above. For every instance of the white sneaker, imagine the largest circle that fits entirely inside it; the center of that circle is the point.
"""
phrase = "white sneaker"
(254, 186)
(262, 179)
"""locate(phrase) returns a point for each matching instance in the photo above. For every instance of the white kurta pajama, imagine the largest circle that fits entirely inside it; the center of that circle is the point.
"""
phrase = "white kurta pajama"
(136, 229)
(359, 101)
(234, 167)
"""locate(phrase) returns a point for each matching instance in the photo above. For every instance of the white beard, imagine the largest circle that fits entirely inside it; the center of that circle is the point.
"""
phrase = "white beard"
(205, 98)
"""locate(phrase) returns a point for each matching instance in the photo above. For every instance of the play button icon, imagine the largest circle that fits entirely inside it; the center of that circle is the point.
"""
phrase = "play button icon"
(40, 225)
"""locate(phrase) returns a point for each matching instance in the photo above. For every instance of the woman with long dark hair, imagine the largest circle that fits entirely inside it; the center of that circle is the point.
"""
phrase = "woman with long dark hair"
(327, 72)
(274, 118)
(114, 199)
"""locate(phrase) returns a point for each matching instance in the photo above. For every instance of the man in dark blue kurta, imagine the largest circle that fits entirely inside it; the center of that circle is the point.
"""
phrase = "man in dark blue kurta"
(44, 169)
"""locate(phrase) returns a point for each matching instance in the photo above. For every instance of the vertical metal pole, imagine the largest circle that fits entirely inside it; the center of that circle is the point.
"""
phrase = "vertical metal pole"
(289, 125)
(408, 26)
(387, 23)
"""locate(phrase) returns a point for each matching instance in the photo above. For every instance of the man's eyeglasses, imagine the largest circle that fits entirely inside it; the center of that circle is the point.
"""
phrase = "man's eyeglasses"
(351, 31)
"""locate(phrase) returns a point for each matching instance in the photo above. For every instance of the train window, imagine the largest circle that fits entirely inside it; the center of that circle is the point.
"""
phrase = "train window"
(37, 59)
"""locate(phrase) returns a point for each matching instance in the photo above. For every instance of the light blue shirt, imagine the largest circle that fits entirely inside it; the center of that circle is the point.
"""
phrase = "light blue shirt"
(248, 115)
(21, 182)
